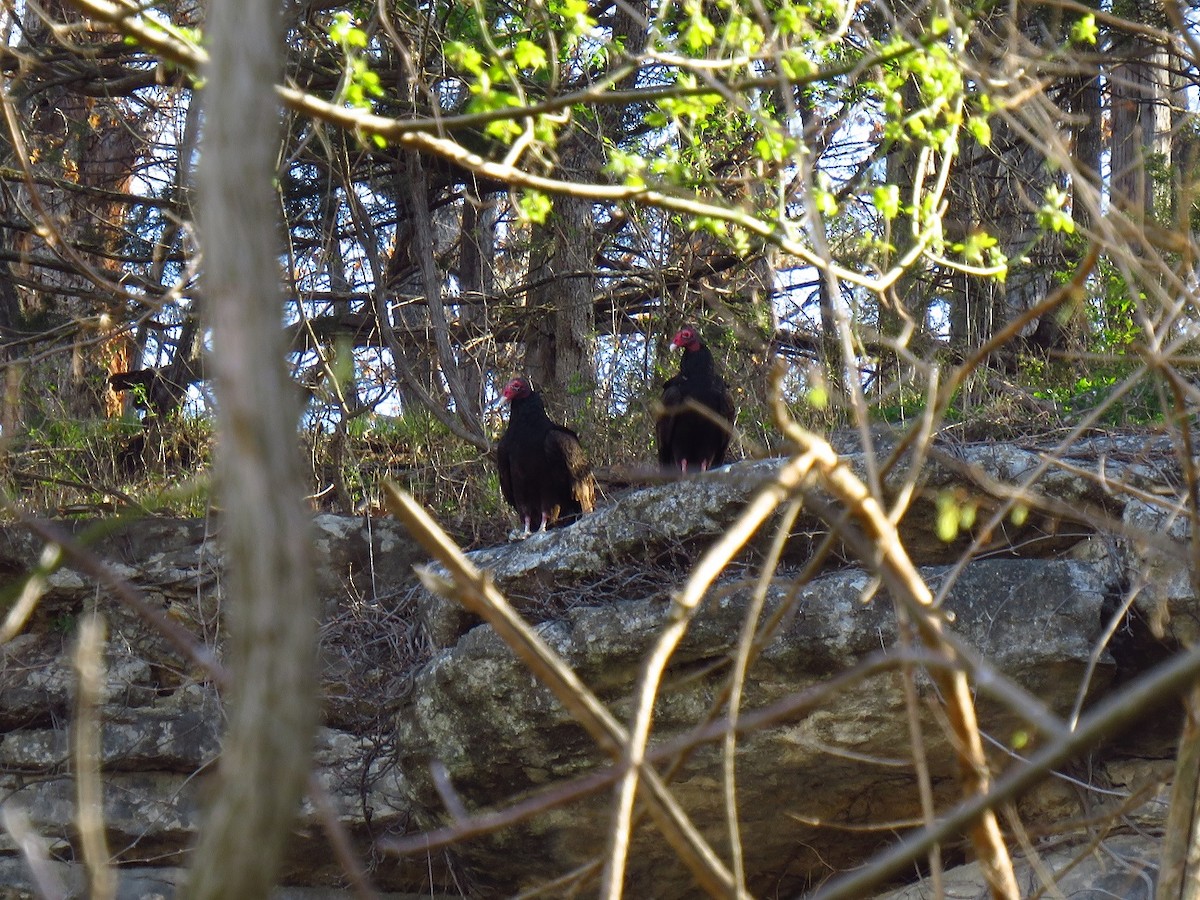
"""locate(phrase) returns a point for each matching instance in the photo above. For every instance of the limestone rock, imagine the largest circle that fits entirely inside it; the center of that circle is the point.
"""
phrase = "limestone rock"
(664, 528)
(1124, 866)
(501, 734)
(410, 681)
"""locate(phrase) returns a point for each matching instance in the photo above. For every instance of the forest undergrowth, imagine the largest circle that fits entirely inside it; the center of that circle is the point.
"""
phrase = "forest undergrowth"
(92, 469)
(96, 468)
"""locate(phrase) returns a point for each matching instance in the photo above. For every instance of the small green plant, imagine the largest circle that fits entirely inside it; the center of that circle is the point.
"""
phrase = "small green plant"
(67, 466)
(360, 85)
(1139, 405)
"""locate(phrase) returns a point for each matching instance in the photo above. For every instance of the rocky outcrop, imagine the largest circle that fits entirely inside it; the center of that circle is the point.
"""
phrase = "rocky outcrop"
(162, 719)
(498, 732)
(411, 681)
(668, 525)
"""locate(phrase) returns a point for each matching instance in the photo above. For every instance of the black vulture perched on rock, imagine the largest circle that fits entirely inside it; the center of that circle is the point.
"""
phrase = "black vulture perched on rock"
(695, 423)
(543, 471)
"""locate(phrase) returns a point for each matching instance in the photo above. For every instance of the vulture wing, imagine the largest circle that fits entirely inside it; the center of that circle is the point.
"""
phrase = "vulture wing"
(504, 468)
(727, 410)
(571, 483)
(721, 402)
(520, 460)
(543, 472)
(674, 396)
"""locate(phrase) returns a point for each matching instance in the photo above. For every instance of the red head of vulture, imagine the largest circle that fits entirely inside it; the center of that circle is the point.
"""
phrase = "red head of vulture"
(543, 472)
(695, 423)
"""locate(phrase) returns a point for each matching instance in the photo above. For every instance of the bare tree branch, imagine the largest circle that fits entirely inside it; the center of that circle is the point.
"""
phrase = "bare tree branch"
(478, 594)
(1110, 716)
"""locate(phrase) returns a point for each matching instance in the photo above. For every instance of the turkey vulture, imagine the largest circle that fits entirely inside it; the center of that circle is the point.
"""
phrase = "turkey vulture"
(543, 472)
(688, 436)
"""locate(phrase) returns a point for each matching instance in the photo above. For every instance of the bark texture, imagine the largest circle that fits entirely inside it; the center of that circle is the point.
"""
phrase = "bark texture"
(272, 611)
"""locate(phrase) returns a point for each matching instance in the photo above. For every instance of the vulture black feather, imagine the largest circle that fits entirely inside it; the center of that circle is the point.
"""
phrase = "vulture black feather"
(695, 423)
(543, 471)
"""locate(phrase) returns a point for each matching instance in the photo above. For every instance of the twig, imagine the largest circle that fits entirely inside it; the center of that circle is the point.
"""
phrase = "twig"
(1178, 879)
(476, 592)
(339, 838)
(445, 789)
(741, 665)
(885, 554)
(1090, 515)
(784, 710)
(908, 678)
(89, 790)
(72, 483)
(1110, 716)
(1045, 874)
(31, 846)
(91, 565)
(198, 655)
(31, 592)
(683, 607)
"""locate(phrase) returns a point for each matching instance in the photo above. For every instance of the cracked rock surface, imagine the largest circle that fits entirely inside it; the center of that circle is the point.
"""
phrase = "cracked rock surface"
(411, 680)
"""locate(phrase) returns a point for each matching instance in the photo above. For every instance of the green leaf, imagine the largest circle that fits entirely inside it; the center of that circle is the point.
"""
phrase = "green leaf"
(339, 25)
(1084, 31)
(626, 166)
(576, 14)
(505, 130)
(980, 130)
(886, 198)
(744, 35)
(773, 145)
(534, 206)
(700, 32)
(1052, 215)
(529, 55)
(966, 514)
(464, 56)
(342, 30)
(947, 516)
(741, 241)
(796, 64)
(715, 227)
(974, 246)
(791, 19)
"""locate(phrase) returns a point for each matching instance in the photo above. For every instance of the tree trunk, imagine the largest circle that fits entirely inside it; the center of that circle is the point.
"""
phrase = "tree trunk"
(561, 353)
(272, 609)
(538, 332)
(416, 368)
(998, 189)
(559, 336)
(477, 284)
(1141, 125)
(574, 320)
(1087, 147)
(92, 142)
(423, 249)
